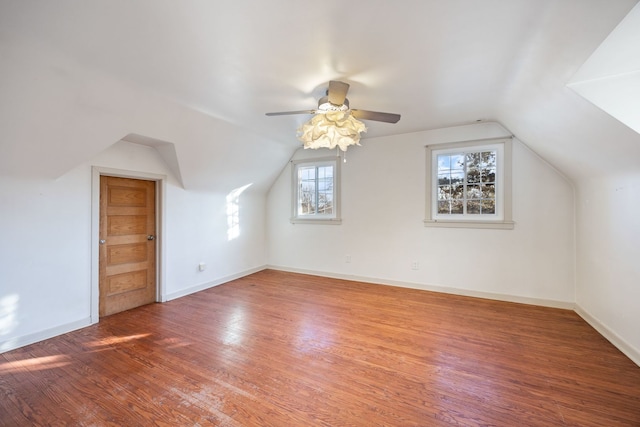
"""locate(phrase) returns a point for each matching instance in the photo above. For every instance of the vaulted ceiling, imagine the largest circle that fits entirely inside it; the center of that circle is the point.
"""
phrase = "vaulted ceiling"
(77, 76)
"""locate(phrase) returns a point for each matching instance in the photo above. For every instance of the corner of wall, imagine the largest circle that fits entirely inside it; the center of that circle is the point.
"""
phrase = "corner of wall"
(628, 350)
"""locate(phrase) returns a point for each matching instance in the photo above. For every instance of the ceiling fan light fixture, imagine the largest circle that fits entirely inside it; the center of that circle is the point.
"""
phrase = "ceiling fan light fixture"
(334, 123)
(331, 129)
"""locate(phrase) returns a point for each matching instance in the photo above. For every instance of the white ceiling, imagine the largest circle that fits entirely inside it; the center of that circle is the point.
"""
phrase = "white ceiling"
(611, 76)
(437, 63)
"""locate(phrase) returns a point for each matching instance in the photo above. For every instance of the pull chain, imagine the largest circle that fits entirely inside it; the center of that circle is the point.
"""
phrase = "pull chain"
(344, 158)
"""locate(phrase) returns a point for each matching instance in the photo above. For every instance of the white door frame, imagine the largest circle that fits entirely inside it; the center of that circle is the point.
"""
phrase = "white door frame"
(96, 173)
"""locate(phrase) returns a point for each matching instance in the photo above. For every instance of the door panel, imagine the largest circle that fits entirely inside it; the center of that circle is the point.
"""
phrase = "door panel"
(125, 282)
(126, 224)
(132, 252)
(127, 256)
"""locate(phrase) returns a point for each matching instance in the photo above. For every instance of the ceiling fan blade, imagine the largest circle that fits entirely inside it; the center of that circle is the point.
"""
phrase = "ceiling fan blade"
(286, 113)
(337, 92)
(376, 116)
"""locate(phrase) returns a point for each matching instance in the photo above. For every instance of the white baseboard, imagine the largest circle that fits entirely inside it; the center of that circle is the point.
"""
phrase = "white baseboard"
(21, 341)
(211, 284)
(17, 342)
(629, 351)
(435, 288)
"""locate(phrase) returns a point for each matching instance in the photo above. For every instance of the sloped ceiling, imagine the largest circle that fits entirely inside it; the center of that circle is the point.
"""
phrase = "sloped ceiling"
(77, 76)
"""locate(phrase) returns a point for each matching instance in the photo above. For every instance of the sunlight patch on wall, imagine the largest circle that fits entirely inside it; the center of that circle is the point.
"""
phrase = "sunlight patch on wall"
(8, 313)
(233, 212)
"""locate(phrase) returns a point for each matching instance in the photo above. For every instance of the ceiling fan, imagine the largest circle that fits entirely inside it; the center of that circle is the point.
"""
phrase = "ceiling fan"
(336, 100)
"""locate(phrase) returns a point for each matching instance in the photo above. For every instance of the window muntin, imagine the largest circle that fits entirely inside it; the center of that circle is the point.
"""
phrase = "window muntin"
(469, 184)
(315, 190)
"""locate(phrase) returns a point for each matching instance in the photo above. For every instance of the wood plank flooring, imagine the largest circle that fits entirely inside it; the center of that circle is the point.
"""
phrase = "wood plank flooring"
(284, 349)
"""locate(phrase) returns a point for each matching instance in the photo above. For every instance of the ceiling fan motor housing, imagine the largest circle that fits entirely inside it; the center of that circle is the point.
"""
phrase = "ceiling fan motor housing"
(337, 93)
(325, 105)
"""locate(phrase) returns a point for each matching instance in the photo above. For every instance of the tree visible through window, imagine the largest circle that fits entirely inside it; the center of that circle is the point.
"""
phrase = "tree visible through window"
(315, 186)
(467, 183)
(315, 195)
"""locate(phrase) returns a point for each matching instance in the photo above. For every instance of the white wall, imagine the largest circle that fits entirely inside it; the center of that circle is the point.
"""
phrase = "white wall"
(45, 244)
(608, 269)
(44, 255)
(383, 198)
(45, 248)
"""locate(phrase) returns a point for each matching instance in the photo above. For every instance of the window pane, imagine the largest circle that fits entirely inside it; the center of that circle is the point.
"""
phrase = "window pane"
(488, 207)
(457, 161)
(474, 160)
(488, 159)
(457, 192)
(325, 173)
(444, 192)
(489, 175)
(307, 190)
(473, 207)
(325, 202)
(325, 189)
(457, 176)
(456, 207)
(444, 163)
(306, 200)
(489, 191)
(315, 194)
(307, 173)
(473, 192)
(480, 177)
(466, 178)
(444, 207)
(314, 190)
(473, 175)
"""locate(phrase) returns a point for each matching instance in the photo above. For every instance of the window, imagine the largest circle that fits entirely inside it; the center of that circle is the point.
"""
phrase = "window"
(316, 193)
(469, 184)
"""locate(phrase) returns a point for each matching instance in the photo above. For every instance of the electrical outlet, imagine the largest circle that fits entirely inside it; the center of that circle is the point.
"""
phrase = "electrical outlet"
(202, 266)
(347, 258)
(415, 265)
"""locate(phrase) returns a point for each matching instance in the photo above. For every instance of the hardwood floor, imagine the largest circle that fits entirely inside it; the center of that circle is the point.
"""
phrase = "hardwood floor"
(283, 349)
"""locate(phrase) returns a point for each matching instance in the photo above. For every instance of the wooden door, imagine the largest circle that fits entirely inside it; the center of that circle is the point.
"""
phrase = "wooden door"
(127, 244)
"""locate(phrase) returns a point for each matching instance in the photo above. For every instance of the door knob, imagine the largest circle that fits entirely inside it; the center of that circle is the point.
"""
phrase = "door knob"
(102, 241)
(151, 237)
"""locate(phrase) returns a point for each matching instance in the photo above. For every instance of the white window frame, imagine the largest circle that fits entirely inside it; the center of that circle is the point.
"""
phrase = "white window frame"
(502, 219)
(333, 218)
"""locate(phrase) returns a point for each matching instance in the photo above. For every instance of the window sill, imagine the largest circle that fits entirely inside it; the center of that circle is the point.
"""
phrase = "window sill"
(332, 221)
(502, 225)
